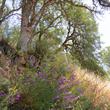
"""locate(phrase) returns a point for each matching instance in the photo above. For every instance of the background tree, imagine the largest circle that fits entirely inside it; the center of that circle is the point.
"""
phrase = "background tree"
(105, 53)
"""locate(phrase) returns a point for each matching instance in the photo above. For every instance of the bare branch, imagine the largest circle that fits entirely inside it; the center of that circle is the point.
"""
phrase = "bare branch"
(104, 3)
(39, 15)
(49, 26)
(84, 6)
(10, 13)
(69, 34)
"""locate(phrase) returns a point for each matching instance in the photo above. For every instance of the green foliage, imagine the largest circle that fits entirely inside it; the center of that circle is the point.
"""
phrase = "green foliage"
(34, 93)
(36, 96)
(4, 90)
(55, 65)
(105, 53)
(85, 104)
(93, 65)
(14, 36)
(41, 49)
(85, 40)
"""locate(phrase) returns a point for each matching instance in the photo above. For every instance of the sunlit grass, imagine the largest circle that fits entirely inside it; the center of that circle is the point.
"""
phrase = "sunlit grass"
(94, 87)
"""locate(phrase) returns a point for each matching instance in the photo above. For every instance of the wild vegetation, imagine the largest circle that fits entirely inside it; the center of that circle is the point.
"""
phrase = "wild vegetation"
(51, 57)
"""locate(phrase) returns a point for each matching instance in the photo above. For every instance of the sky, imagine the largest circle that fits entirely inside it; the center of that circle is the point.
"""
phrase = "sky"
(103, 25)
(104, 28)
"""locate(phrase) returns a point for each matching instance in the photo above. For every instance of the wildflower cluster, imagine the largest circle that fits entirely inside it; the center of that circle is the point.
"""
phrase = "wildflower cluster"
(68, 91)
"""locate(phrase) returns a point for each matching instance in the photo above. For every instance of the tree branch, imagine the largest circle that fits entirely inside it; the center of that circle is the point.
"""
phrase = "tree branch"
(83, 6)
(49, 26)
(10, 13)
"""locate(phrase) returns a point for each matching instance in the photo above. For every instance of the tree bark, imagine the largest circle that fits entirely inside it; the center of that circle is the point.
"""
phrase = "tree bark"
(26, 26)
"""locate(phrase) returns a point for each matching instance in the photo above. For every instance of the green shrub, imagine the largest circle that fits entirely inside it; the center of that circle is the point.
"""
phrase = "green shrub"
(35, 94)
(84, 104)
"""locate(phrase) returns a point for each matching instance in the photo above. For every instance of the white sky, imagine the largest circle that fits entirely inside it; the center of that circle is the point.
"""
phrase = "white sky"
(103, 25)
(104, 28)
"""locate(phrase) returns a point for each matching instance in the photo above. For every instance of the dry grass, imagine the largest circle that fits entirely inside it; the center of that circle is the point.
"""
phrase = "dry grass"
(95, 88)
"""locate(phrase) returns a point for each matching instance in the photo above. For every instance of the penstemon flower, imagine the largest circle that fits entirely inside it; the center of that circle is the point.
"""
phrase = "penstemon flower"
(64, 90)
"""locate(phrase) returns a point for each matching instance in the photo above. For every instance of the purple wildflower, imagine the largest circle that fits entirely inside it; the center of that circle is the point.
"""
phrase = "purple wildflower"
(18, 97)
(15, 98)
(72, 77)
(2, 94)
(80, 90)
(69, 97)
(41, 75)
(62, 80)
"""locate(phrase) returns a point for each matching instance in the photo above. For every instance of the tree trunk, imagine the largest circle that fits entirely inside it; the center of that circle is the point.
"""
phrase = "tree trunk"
(26, 26)
(24, 39)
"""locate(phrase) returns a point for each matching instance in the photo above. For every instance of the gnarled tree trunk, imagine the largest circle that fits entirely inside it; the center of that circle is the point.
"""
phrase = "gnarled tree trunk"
(26, 24)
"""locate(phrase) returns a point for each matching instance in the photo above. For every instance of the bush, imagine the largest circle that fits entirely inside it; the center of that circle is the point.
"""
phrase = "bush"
(33, 94)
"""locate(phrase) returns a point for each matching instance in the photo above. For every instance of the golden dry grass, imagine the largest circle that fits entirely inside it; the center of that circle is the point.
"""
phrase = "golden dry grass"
(95, 88)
